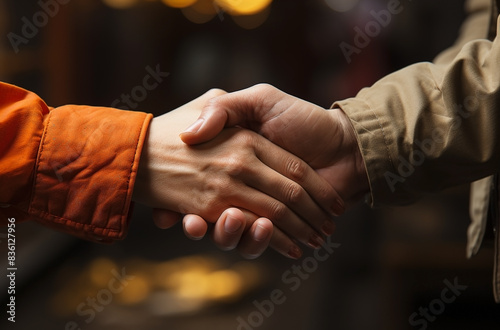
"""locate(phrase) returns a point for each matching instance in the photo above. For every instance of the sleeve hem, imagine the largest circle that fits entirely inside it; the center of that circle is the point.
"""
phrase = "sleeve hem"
(370, 134)
(86, 170)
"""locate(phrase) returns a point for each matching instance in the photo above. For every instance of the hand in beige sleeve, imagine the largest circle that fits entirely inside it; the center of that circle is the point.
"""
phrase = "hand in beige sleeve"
(323, 138)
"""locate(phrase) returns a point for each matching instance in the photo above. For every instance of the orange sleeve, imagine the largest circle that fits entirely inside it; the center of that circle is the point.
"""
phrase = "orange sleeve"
(71, 168)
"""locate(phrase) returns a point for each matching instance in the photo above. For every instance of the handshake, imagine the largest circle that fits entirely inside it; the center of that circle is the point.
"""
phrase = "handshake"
(264, 167)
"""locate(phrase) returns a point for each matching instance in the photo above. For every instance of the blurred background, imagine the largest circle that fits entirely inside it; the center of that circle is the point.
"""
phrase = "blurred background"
(385, 265)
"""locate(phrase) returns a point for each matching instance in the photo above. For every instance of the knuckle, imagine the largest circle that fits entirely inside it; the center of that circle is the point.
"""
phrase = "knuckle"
(214, 92)
(264, 91)
(206, 202)
(325, 193)
(213, 102)
(264, 87)
(296, 170)
(277, 210)
(219, 186)
(245, 138)
(213, 194)
(235, 164)
(294, 193)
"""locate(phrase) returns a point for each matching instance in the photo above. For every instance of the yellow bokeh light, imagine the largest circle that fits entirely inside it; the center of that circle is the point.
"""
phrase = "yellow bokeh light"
(120, 4)
(100, 271)
(243, 7)
(195, 16)
(206, 7)
(179, 3)
(250, 22)
(135, 291)
(193, 285)
(225, 284)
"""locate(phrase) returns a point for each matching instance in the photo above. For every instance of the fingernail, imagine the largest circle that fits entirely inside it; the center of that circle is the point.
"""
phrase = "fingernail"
(295, 252)
(260, 233)
(338, 207)
(232, 225)
(194, 127)
(195, 238)
(316, 241)
(328, 228)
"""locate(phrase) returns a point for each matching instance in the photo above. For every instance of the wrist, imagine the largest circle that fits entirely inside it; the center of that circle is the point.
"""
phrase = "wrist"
(359, 184)
(142, 174)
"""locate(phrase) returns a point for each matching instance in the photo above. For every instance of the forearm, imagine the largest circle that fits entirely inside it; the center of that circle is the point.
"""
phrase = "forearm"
(71, 168)
(430, 126)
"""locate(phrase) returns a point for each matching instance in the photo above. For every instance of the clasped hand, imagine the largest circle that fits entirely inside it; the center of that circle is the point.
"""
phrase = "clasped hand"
(253, 187)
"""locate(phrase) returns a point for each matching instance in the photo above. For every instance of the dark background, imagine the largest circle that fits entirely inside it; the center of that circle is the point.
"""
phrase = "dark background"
(389, 263)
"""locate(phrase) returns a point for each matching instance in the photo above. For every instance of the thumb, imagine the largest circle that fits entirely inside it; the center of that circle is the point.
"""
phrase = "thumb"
(208, 125)
(246, 108)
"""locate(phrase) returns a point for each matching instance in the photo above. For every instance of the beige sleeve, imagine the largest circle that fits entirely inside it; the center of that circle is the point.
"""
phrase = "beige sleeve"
(433, 125)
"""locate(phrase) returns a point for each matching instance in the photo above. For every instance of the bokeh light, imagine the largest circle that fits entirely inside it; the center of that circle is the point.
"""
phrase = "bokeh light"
(136, 290)
(201, 11)
(179, 3)
(120, 4)
(243, 7)
(180, 285)
(224, 284)
(252, 21)
(206, 7)
(100, 271)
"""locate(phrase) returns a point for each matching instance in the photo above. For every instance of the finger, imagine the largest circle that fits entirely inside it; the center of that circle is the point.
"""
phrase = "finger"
(295, 169)
(239, 235)
(256, 241)
(290, 193)
(165, 219)
(300, 172)
(252, 108)
(281, 243)
(279, 213)
(281, 175)
(229, 229)
(195, 227)
(247, 108)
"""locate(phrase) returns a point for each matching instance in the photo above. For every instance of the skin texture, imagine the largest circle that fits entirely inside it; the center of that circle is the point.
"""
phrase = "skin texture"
(236, 175)
(323, 138)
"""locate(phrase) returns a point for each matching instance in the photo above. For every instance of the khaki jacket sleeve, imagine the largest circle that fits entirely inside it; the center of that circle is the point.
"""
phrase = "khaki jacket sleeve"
(433, 125)
(71, 168)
